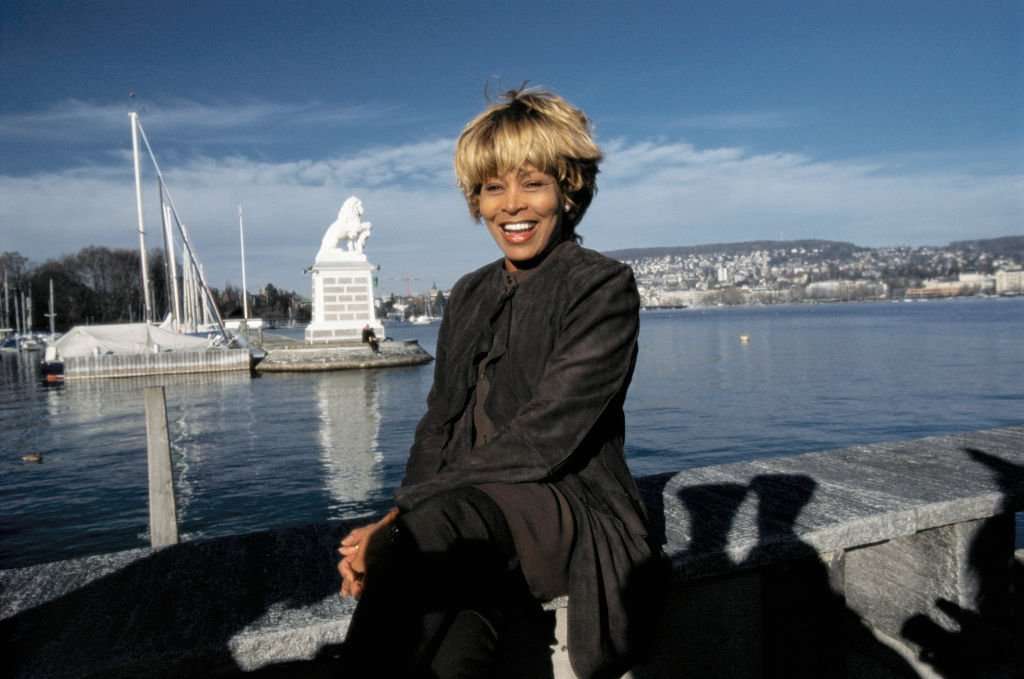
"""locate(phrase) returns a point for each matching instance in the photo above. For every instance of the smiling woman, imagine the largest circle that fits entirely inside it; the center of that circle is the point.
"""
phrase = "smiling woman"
(516, 489)
(532, 134)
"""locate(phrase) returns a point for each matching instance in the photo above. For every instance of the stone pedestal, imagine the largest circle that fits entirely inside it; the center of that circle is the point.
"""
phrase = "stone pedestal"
(342, 301)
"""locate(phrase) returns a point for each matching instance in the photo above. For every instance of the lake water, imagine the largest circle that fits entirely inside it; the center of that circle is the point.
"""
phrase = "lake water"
(286, 449)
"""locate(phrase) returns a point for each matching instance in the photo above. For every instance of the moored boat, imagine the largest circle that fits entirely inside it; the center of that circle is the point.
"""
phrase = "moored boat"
(30, 343)
(51, 367)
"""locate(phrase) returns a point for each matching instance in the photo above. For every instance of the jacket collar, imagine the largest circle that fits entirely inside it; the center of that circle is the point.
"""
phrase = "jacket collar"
(496, 276)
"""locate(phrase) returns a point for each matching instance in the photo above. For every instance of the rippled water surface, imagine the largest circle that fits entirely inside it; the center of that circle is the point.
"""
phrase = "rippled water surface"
(253, 453)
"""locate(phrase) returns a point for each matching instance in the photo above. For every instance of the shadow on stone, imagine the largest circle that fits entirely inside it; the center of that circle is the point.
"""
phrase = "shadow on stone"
(778, 612)
(180, 611)
(975, 636)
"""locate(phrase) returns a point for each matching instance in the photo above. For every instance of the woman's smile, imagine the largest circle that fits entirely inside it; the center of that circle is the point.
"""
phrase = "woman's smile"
(518, 232)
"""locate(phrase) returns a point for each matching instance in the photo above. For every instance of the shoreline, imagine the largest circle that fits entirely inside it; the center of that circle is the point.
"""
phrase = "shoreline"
(826, 302)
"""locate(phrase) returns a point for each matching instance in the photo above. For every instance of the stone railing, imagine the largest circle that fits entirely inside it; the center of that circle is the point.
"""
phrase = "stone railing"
(887, 560)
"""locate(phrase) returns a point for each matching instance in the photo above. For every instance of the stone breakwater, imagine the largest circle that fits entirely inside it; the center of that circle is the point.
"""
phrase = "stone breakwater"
(888, 560)
(299, 357)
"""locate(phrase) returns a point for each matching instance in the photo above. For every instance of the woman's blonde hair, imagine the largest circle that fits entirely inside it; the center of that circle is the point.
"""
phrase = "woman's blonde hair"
(530, 126)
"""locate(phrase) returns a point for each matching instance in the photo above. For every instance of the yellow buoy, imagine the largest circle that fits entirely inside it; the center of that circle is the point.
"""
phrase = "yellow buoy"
(32, 457)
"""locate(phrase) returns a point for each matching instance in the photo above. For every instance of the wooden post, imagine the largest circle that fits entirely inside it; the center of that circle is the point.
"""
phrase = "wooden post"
(163, 518)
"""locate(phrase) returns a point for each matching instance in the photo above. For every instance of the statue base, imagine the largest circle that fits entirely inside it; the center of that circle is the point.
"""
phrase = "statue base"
(342, 301)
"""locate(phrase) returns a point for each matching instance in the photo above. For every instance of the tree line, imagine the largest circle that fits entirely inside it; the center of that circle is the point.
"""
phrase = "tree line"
(104, 285)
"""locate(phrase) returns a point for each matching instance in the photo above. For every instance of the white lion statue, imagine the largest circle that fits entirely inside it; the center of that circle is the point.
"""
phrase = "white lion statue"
(348, 232)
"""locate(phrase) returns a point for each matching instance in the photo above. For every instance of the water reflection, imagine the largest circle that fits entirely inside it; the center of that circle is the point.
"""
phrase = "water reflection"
(198, 407)
(349, 408)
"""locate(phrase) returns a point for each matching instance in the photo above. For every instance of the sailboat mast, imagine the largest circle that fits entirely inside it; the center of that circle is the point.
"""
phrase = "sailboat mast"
(245, 290)
(164, 231)
(172, 262)
(52, 315)
(186, 281)
(204, 302)
(187, 251)
(134, 118)
(7, 302)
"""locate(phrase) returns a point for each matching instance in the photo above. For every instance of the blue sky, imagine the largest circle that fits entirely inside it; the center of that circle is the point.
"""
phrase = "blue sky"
(877, 123)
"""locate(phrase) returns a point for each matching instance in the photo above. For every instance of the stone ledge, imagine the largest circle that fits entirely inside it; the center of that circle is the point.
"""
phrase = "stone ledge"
(838, 499)
(265, 600)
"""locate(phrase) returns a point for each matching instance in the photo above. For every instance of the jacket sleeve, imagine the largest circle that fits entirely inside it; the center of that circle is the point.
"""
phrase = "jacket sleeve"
(587, 369)
(431, 432)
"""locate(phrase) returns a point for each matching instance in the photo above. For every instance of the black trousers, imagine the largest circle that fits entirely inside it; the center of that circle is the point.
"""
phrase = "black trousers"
(438, 592)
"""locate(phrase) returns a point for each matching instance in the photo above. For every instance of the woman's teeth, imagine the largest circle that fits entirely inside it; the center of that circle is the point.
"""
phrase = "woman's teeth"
(517, 227)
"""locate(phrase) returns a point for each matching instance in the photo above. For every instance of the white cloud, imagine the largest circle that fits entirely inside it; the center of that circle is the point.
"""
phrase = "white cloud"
(753, 120)
(76, 119)
(725, 195)
(652, 193)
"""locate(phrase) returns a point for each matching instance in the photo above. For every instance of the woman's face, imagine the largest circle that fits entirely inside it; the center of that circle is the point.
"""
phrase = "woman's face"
(522, 211)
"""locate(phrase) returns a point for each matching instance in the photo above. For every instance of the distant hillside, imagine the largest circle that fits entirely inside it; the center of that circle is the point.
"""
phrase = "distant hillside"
(1007, 246)
(828, 248)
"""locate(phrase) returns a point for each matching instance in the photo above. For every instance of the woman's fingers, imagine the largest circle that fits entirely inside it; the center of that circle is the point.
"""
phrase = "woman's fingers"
(350, 579)
(346, 582)
(348, 570)
(357, 562)
(353, 547)
(355, 536)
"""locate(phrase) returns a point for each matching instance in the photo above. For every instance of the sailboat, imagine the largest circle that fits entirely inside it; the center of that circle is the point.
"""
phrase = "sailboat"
(137, 349)
(51, 368)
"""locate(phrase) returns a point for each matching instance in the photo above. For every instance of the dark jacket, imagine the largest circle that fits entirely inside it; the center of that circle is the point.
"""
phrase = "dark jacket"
(560, 420)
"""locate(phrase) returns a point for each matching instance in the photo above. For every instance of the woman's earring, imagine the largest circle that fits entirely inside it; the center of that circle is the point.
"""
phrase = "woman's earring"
(566, 207)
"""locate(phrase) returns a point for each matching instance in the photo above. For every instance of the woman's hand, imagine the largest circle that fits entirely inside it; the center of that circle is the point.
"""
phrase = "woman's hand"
(354, 550)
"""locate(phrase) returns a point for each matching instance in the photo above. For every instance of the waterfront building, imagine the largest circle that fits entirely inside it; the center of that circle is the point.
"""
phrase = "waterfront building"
(978, 283)
(1010, 282)
(933, 289)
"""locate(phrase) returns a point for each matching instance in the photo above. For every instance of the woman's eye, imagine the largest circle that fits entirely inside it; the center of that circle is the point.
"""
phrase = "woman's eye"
(491, 188)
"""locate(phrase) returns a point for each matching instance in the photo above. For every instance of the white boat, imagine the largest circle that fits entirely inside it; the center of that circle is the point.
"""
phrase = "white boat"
(30, 343)
(123, 338)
